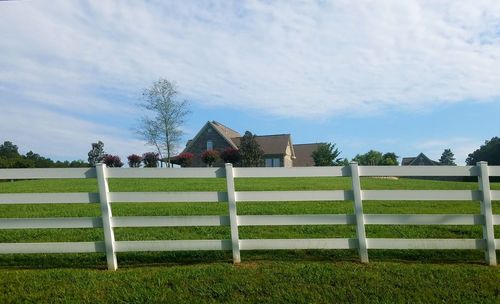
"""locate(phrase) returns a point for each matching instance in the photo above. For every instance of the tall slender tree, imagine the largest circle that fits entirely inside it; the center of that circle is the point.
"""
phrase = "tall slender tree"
(161, 126)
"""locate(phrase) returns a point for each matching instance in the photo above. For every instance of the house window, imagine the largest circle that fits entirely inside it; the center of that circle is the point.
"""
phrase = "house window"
(273, 162)
(209, 130)
(210, 145)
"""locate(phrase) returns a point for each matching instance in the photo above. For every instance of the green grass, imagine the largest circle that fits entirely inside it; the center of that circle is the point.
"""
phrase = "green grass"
(297, 276)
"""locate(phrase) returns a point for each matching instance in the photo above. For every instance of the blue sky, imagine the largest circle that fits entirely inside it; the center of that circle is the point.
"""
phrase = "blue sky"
(398, 76)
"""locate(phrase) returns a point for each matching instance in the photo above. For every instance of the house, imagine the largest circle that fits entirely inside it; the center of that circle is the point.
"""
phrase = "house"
(279, 151)
(419, 160)
(303, 154)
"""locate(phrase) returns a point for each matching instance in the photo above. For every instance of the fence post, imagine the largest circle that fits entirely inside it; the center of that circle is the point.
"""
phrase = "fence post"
(109, 236)
(487, 212)
(233, 215)
(358, 210)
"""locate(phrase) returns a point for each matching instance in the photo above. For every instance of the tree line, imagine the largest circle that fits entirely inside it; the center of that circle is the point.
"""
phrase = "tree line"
(11, 158)
(249, 154)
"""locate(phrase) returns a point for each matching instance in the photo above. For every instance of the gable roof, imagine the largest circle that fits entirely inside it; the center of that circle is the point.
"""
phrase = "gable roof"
(222, 130)
(303, 154)
(272, 144)
(419, 160)
(225, 131)
(406, 161)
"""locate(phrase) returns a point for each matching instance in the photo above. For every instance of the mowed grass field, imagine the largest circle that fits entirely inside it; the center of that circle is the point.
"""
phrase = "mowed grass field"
(300, 276)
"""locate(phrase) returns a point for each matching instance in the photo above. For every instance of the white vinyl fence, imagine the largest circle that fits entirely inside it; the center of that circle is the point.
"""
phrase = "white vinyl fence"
(107, 221)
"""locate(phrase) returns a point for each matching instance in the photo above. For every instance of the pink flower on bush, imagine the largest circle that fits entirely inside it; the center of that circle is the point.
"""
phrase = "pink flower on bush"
(185, 159)
(209, 157)
(112, 161)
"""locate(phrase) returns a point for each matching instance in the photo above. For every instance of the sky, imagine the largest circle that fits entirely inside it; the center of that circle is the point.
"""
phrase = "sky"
(390, 75)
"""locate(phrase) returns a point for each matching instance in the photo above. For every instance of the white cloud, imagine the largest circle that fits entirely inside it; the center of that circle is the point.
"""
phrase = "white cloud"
(338, 56)
(309, 60)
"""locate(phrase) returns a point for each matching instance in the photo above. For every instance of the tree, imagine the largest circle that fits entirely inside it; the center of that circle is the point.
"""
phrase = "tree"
(112, 161)
(78, 164)
(389, 159)
(326, 155)
(37, 160)
(209, 157)
(96, 154)
(250, 151)
(447, 158)
(185, 159)
(376, 158)
(134, 160)
(489, 152)
(10, 157)
(230, 155)
(162, 128)
(150, 159)
(9, 150)
(371, 158)
(343, 162)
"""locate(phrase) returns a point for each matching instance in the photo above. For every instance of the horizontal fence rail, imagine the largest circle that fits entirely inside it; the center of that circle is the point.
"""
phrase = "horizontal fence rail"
(359, 219)
(47, 173)
(166, 197)
(49, 198)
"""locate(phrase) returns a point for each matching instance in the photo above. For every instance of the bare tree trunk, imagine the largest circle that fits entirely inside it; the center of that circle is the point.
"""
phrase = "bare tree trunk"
(168, 150)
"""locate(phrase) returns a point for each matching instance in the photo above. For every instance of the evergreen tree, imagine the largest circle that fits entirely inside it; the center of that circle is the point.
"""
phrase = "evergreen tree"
(326, 155)
(447, 158)
(97, 153)
(250, 151)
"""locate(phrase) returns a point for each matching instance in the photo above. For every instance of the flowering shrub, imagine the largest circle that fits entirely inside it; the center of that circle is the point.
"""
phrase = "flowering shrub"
(150, 159)
(185, 159)
(230, 155)
(134, 161)
(112, 161)
(209, 157)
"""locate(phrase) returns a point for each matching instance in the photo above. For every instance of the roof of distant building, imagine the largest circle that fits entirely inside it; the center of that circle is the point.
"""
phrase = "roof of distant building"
(303, 154)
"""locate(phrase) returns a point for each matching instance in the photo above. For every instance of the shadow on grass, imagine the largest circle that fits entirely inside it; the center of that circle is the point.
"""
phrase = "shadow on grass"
(49, 261)
(152, 259)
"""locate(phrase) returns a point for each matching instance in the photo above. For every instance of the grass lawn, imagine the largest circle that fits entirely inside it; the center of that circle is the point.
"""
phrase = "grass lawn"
(298, 276)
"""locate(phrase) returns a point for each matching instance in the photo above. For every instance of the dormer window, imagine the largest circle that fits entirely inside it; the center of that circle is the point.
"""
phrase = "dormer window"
(210, 145)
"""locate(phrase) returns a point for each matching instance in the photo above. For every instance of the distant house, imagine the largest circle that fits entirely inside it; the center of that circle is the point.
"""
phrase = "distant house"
(279, 151)
(303, 154)
(419, 160)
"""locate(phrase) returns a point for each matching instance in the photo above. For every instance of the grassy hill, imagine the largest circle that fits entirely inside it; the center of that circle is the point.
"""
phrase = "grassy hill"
(301, 276)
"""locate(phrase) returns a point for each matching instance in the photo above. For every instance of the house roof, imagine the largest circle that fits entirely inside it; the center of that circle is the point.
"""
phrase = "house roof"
(224, 131)
(271, 144)
(419, 160)
(303, 154)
